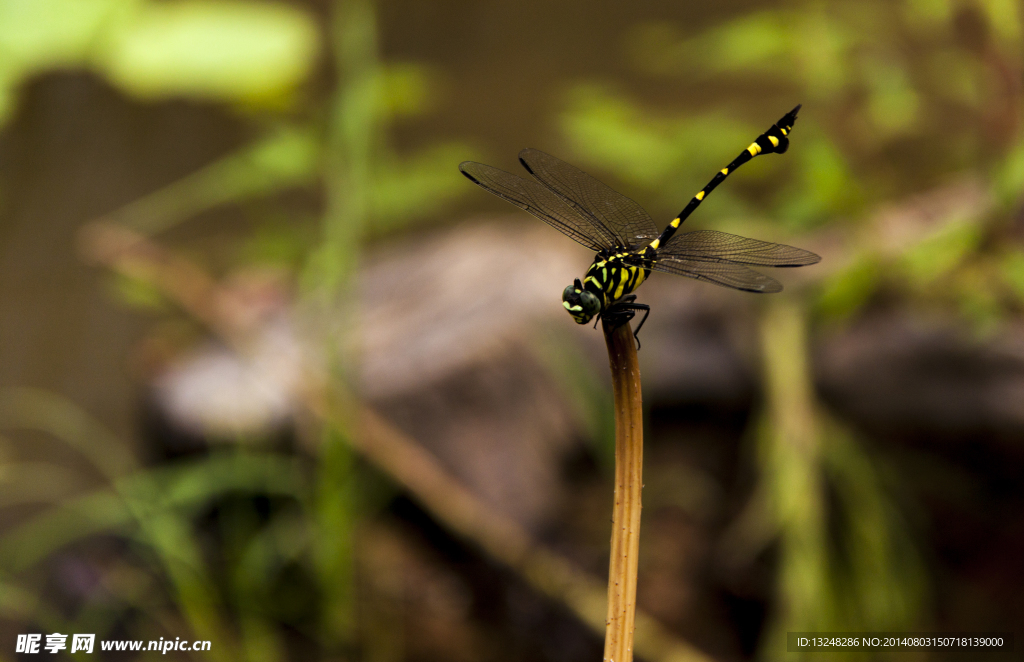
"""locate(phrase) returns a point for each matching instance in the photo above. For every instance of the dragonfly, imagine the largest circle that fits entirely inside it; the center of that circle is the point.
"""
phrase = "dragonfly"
(627, 243)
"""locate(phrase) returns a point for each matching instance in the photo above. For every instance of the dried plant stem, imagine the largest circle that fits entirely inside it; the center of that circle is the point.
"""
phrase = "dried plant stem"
(629, 458)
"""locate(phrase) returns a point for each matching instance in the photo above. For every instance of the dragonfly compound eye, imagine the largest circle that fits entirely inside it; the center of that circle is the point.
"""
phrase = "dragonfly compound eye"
(591, 304)
(581, 304)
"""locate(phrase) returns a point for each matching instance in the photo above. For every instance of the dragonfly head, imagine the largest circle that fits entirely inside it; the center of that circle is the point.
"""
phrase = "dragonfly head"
(580, 303)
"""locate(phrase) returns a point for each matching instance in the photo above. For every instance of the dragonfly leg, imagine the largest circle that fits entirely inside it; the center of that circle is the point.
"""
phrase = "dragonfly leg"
(624, 310)
(637, 307)
(647, 311)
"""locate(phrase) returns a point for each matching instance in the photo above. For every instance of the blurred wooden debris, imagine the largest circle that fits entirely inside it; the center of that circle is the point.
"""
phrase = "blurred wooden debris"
(897, 374)
(447, 326)
(436, 305)
(399, 456)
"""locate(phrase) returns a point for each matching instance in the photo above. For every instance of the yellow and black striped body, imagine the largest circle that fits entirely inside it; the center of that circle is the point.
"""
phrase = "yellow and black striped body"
(628, 243)
(609, 279)
(773, 141)
(617, 272)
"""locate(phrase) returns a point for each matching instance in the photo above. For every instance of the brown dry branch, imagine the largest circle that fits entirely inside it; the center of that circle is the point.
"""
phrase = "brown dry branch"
(184, 283)
(419, 472)
(629, 460)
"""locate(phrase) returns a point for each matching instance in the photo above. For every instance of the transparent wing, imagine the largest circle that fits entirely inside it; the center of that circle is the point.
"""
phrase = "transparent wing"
(711, 245)
(536, 199)
(727, 274)
(624, 219)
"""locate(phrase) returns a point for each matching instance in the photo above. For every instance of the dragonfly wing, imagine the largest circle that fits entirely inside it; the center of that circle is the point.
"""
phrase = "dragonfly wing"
(726, 274)
(536, 199)
(711, 245)
(630, 225)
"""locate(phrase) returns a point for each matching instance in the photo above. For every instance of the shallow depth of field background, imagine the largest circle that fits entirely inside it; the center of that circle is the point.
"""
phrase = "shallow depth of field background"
(233, 232)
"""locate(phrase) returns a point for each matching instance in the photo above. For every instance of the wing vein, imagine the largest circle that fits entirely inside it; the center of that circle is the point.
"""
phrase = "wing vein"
(532, 197)
(625, 222)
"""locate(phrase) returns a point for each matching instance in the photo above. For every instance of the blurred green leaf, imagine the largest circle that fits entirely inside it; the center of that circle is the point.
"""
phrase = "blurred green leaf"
(336, 513)
(191, 583)
(17, 603)
(893, 102)
(1008, 179)
(752, 43)
(823, 64)
(287, 157)
(1011, 268)
(928, 14)
(195, 484)
(36, 482)
(941, 252)
(280, 240)
(44, 411)
(846, 290)
(824, 187)
(353, 145)
(406, 190)
(673, 157)
(1004, 16)
(406, 89)
(151, 496)
(605, 128)
(879, 572)
(37, 34)
(248, 52)
(669, 157)
(957, 75)
(236, 51)
(807, 48)
(978, 299)
(101, 512)
(846, 559)
(265, 555)
(138, 293)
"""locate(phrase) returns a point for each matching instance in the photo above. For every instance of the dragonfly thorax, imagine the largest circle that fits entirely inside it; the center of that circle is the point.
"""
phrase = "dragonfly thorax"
(612, 277)
(608, 280)
(581, 303)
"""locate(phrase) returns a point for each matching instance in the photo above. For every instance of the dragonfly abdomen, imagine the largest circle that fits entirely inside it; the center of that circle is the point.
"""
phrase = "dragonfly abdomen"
(611, 279)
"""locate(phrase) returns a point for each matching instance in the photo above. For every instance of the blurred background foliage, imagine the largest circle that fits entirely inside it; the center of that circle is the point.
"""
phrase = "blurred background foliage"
(347, 120)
